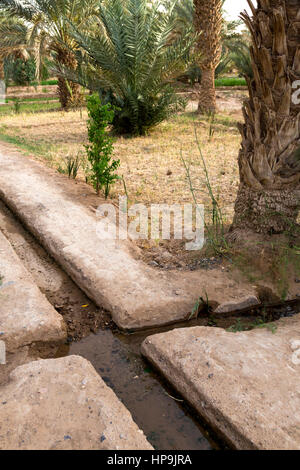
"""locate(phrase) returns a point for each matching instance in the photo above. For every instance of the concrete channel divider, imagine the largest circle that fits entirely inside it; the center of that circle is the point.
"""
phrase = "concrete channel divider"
(63, 404)
(137, 295)
(28, 322)
(245, 385)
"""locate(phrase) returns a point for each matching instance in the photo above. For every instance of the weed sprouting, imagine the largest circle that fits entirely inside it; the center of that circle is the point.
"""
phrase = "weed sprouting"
(201, 305)
(215, 231)
(238, 326)
(259, 323)
(211, 128)
(17, 105)
(71, 165)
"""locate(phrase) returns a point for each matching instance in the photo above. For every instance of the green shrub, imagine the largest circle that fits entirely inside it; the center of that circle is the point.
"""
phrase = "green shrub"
(23, 72)
(132, 58)
(99, 151)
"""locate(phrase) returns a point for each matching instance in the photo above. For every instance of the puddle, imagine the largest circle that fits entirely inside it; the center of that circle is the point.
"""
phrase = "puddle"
(167, 423)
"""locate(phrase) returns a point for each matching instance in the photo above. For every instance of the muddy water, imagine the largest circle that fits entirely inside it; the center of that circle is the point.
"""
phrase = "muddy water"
(167, 423)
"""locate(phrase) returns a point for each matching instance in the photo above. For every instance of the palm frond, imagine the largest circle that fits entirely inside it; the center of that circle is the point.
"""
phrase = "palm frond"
(133, 55)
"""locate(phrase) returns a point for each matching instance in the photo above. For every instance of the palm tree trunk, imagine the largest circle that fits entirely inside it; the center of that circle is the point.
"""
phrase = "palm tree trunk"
(207, 92)
(269, 194)
(68, 91)
(208, 25)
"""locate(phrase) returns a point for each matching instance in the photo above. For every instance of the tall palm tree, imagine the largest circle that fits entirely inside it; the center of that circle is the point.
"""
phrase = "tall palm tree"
(208, 24)
(269, 160)
(231, 39)
(49, 25)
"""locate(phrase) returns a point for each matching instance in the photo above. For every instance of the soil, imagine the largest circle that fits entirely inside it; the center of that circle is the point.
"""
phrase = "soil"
(171, 254)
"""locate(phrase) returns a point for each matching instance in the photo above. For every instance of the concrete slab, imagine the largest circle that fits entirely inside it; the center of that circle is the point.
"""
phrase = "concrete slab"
(63, 404)
(26, 316)
(137, 295)
(246, 385)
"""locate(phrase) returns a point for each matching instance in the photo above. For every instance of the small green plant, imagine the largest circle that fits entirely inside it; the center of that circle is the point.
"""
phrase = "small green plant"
(211, 128)
(62, 170)
(259, 323)
(100, 148)
(200, 306)
(17, 105)
(125, 188)
(73, 165)
(238, 326)
(212, 321)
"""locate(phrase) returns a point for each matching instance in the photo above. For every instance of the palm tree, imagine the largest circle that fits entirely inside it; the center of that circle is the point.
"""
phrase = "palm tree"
(131, 59)
(235, 49)
(269, 192)
(13, 40)
(49, 30)
(208, 24)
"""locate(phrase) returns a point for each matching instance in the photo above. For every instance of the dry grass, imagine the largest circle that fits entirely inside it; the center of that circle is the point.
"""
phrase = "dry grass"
(151, 166)
(154, 173)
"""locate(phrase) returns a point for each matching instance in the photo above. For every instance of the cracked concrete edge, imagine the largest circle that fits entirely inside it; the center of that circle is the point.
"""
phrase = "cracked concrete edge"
(26, 316)
(245, 385)
(213, 417)
(63, 404)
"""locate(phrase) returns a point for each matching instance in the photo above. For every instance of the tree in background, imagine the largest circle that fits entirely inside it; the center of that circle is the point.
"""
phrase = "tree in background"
(208, 24)
(235, 44)
(13, 40)
(269, 159)
(23, 71)
(131, 60)
(48, 22)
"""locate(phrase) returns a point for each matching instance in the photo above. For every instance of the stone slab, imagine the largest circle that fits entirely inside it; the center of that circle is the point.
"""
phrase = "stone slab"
(137, 295)
(246, 385)
(26, 316)
(63, 404)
